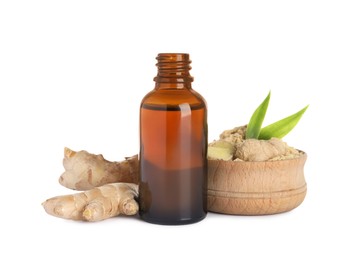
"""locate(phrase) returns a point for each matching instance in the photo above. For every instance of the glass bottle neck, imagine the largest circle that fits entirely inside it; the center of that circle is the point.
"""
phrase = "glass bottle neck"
(172, 85)
(173, 71)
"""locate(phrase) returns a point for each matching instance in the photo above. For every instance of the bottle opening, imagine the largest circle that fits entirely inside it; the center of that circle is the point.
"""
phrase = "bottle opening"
(173, 57)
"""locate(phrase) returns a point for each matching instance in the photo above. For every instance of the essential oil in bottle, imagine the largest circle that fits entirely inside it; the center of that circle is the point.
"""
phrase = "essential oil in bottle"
(173, 146)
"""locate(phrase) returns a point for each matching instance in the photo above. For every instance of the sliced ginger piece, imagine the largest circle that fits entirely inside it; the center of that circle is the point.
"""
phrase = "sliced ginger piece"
(220, 150)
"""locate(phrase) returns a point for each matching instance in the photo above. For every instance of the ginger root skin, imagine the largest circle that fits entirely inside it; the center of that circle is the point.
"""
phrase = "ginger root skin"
(96, 204)
(84, 171)
(254, 150)
(235, 135)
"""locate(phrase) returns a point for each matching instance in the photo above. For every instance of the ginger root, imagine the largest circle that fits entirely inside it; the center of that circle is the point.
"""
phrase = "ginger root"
(96, 204)
(235, 135)
(254, 150)
(84, 171)
(220, 149)
(233, 146)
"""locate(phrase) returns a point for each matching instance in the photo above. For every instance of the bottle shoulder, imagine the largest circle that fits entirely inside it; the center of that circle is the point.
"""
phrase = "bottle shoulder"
(174, 97)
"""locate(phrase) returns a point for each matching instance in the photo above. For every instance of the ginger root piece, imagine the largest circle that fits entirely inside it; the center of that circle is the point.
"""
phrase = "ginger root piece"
(235, 135)
(96, 204)
(290, 153)
(255, 150)
(261, 150)
(220, 150)
(84, 171)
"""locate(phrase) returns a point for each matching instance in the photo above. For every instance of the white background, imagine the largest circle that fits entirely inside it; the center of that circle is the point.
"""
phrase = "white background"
(72, 73)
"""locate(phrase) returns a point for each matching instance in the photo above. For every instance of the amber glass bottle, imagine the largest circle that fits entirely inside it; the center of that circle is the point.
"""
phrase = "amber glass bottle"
(173, 146)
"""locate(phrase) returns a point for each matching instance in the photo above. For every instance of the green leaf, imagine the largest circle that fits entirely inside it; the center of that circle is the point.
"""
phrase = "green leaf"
(282, 127)
(254, 126)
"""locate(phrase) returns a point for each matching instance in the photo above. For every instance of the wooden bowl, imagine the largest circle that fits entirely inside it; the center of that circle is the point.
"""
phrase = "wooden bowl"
(256, 188)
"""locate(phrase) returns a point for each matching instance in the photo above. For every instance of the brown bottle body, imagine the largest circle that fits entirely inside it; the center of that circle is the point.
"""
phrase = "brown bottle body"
(173, 150)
